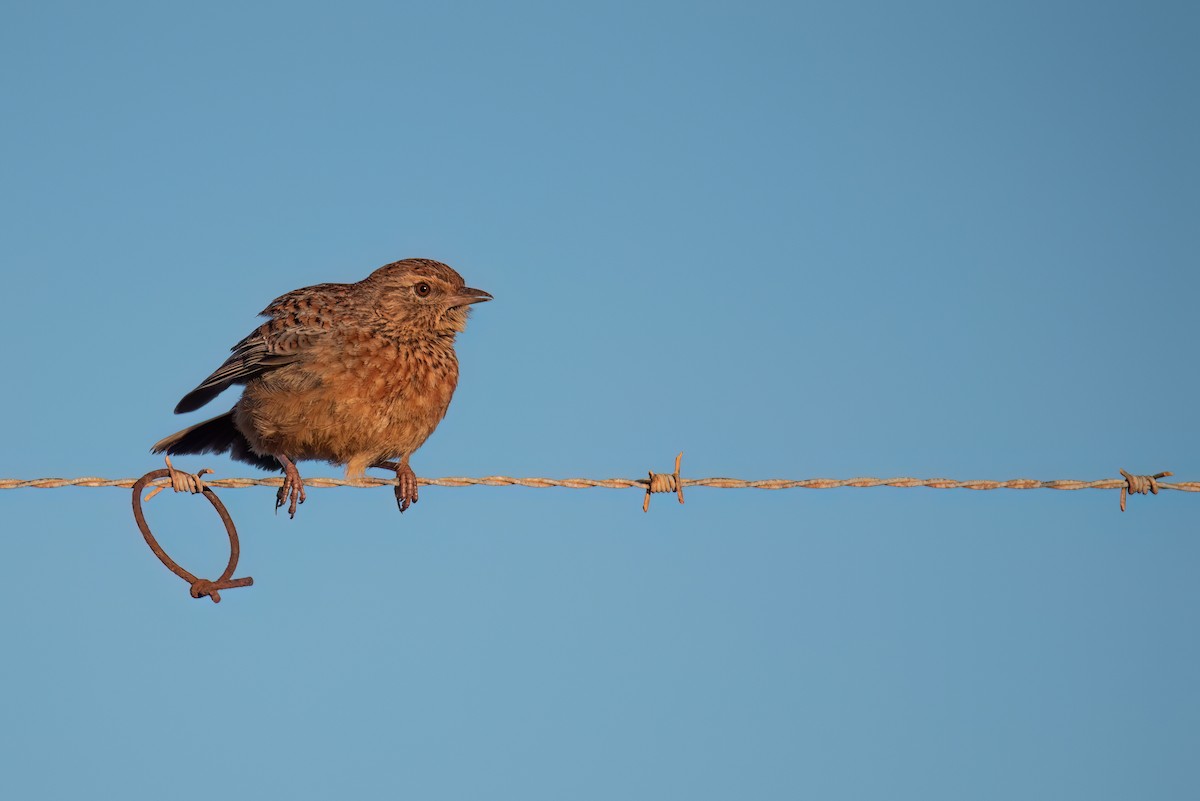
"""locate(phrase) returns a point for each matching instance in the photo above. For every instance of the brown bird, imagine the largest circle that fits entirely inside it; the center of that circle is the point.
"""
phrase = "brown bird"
(352, 374)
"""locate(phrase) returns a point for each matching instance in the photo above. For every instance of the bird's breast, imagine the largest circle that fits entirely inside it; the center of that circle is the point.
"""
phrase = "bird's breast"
(366, 400)
(380, 378)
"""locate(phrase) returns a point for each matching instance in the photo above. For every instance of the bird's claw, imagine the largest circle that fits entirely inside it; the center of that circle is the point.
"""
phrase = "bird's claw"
(406, 487)
(291, 491)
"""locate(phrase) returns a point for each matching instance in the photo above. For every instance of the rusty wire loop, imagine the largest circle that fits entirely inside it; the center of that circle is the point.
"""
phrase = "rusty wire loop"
(664, 482)
(1141, 485)
(183, 482)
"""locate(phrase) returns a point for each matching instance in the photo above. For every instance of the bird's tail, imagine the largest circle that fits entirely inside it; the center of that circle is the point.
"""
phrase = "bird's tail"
(218, 435)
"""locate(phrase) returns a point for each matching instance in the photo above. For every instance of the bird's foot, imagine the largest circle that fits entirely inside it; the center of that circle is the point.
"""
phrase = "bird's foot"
(406, 486)
(406, 482)
(292, 490)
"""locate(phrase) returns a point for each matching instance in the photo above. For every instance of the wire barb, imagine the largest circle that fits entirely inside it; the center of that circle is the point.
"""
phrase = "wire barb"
(181, 481)
(664, 482)
(1141, 485)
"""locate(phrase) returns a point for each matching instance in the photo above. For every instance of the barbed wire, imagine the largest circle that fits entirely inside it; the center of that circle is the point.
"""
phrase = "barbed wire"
(613, 483)
(656, 482)
(195, 483)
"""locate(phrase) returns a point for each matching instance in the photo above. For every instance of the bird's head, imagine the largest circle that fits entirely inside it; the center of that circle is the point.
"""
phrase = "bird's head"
(423, 296)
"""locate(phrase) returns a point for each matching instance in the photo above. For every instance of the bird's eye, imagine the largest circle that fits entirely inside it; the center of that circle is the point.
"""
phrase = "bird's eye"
(423, 289)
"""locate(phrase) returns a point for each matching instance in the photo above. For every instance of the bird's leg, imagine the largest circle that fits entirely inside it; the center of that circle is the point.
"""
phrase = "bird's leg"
(406, 486)
(406, 482)
(293, 486)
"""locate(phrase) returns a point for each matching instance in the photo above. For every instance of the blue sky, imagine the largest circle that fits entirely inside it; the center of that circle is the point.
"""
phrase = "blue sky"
(790, 240)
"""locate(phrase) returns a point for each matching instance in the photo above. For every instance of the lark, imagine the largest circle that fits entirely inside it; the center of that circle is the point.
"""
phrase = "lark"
(351, 374)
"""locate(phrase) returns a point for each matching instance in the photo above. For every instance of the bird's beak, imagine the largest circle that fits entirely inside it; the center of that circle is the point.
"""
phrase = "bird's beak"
(466, 296)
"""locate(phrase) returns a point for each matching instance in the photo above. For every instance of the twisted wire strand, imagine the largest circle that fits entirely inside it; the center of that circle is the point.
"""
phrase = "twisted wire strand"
(615, 483)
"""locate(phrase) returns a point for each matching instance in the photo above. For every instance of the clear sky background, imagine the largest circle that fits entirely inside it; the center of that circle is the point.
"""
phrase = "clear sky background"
(790, 240)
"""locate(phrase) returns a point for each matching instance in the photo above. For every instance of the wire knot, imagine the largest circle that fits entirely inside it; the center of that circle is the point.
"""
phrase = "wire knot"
(664, 482)
(202, 587)
(1141, 485)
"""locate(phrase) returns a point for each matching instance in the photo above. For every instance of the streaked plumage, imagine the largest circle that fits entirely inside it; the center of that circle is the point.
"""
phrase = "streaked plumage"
(352, 374)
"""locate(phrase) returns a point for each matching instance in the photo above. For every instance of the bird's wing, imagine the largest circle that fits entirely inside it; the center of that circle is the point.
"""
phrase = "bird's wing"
(297, 320)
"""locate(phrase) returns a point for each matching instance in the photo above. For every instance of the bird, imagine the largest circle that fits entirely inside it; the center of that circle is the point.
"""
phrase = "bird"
(352, 374)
